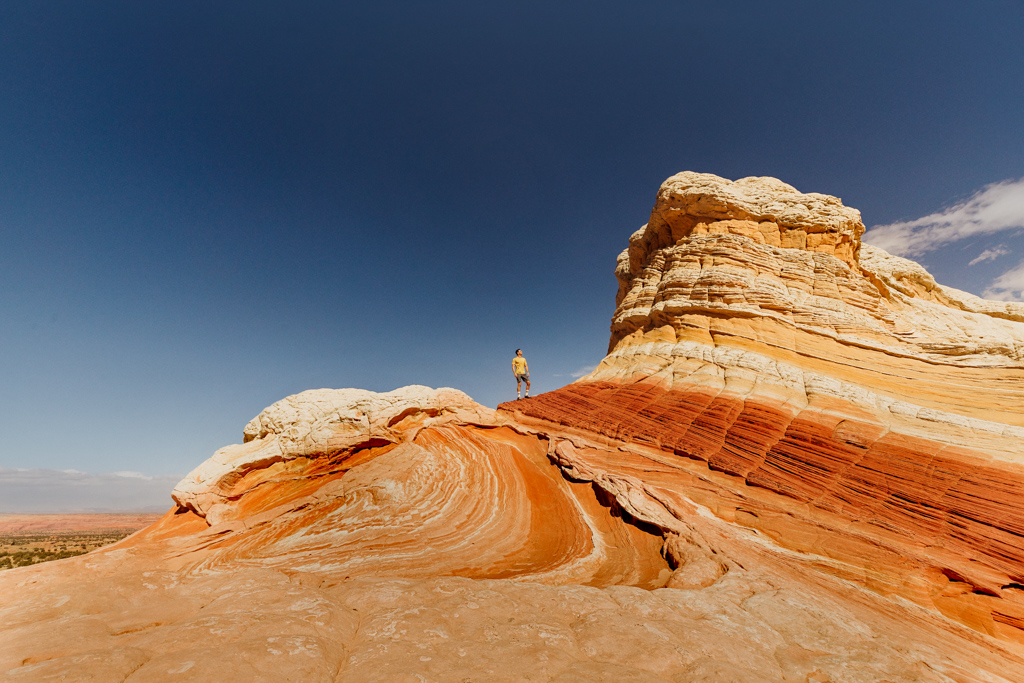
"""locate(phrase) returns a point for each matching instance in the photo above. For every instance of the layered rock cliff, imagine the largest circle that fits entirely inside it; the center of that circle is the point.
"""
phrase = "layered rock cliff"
(800, 461)
(827, 394)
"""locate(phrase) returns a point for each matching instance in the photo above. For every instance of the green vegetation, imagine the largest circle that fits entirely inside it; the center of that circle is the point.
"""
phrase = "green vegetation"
(23, 550)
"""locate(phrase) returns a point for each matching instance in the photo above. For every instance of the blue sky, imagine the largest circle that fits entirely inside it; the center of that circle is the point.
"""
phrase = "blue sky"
(205, 207)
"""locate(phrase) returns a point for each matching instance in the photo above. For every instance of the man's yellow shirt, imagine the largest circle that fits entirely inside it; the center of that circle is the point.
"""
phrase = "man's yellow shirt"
(519, 365)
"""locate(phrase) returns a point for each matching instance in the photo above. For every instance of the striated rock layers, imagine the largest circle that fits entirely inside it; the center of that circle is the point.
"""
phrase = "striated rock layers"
(827, 395)
(799, 461)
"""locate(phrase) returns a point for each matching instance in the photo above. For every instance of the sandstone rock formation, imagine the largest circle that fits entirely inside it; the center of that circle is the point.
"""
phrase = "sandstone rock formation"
(799, 461)
(834, 398)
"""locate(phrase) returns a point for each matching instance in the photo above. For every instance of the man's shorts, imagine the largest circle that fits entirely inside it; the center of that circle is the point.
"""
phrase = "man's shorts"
(522, 378)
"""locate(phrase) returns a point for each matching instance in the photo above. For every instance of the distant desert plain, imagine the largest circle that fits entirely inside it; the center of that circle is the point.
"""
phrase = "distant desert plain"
(33, 538)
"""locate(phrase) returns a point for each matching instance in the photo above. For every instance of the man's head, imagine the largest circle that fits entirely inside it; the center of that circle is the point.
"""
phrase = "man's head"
(519, 352)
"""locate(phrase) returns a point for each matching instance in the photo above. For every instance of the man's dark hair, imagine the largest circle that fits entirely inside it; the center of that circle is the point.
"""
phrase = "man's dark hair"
(518, 350)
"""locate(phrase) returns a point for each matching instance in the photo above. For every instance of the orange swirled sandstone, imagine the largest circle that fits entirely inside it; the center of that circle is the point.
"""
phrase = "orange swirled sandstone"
(881, 409)
(800, 461)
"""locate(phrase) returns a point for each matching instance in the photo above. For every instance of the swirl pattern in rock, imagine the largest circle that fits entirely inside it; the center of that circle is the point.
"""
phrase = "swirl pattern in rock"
(837, 400)
(800, 461)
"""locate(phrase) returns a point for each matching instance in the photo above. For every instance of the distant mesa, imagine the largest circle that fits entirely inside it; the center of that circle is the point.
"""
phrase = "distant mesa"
(799, 461)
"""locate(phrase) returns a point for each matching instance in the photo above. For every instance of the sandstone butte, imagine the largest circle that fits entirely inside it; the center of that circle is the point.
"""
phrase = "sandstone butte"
(800, 461)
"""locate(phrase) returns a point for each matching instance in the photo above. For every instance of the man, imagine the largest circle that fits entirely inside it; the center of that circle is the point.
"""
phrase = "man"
(521, 370)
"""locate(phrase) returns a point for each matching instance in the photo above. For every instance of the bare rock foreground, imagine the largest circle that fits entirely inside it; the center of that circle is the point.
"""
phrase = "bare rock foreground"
(800, 461)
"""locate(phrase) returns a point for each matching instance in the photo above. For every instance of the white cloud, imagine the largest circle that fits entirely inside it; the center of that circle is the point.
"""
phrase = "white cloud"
(131, 475)
(992, 209)
(585, 370)
(42, 490)
(990, 255)
(576, 374)
(1007, 287)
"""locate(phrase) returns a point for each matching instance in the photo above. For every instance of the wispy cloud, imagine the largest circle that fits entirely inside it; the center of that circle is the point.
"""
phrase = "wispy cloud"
(992, 209)
(990, 255)
(42, 490)
(576, 374)
(1007, 287)
(585, 370)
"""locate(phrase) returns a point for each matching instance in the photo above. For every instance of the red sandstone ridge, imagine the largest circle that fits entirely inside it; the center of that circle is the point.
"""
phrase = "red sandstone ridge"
(798, 462)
